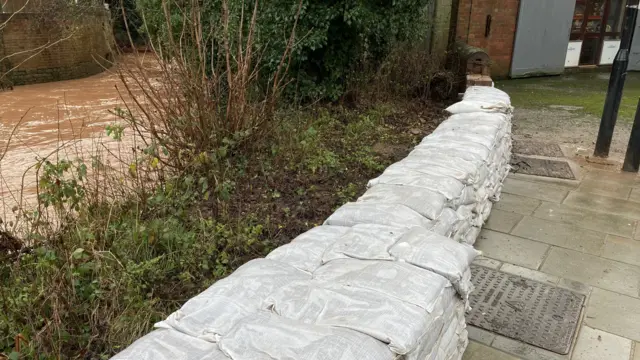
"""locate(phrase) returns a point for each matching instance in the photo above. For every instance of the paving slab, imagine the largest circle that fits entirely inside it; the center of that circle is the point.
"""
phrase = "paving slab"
(511, 249)
(622, 249)
(593, 270)
(536, 190)
(626, 208)
(476, 351)
(613, 177)
(562, 183)
(525, 351)
(486, 262)
(480, 335)
(615, 190)
(636, 234)
(596, 344)
(530, 274)
(587, 219)
(635, 195)
(636, 354)
(614, 313)
(515, 203)
(575, 286)
(559, 234)
(502, 221)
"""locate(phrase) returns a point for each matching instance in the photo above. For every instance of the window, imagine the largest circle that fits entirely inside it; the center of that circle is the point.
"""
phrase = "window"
(615, 18)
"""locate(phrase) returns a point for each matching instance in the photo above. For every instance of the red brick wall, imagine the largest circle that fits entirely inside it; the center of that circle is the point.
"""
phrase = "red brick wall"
(80, 55)
(499, 44)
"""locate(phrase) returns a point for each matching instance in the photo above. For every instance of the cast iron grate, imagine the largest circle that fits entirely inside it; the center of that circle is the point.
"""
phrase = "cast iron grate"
(538, 314)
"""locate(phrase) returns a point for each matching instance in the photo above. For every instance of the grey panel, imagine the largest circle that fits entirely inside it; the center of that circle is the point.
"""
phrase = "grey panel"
(542, 37)
(525, 310)
(634, 58)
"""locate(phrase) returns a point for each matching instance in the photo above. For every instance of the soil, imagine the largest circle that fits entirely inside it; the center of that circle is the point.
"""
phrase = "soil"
(8, 244)
(305, 200)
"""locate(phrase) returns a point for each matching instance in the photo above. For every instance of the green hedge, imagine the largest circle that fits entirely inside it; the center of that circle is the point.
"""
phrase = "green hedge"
(333, 37)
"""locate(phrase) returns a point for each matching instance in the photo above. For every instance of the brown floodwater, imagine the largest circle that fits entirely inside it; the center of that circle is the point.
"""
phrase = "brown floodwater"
(67, 115)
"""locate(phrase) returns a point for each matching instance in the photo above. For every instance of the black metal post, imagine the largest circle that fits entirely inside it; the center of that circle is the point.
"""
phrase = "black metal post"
(632, 159)
(616, 82)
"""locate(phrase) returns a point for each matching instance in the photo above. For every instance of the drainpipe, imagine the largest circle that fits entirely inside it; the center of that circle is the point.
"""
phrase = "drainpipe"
(616, 82)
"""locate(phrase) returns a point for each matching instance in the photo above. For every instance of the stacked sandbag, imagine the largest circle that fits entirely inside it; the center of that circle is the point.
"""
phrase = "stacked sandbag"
(461, 166)
(385, 277)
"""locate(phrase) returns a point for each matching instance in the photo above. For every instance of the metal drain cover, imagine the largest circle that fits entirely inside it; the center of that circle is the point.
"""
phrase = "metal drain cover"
(532, 147)
(525, 310)
(529, 165)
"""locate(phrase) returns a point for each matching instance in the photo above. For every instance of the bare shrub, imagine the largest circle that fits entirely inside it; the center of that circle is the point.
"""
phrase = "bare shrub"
(410, 71)
(203, 98)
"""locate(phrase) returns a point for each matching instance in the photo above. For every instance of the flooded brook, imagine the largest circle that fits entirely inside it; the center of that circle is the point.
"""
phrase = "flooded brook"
(65, 119)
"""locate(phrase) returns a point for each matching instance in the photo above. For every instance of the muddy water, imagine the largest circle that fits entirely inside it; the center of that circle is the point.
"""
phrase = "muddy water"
(71, 115)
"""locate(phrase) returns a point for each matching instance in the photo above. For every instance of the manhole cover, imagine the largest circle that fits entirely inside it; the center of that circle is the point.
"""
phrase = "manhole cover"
(532, 147)
(525, 310)
(541, 167)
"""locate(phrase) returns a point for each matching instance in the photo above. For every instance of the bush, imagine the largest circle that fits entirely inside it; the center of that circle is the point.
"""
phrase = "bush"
(332, 37)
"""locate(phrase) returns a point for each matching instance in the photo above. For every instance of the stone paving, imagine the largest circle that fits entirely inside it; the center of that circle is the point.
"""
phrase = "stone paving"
(583, 235)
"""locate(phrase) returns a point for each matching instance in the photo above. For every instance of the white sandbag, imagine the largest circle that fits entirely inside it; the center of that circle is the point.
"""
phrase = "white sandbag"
(430, 347)
(388, 319)
(272, 337)
(167, 344)
(438, 254)
(406, 282)
(469, 106)
(486, 93)
(213, 312)
(488, 142)
(446, 223)
(476, 121)
(486, 210)
(488, 131)
(425, 202)
(453, 190)
(477, 151)
(471, 235)
(305, 251)
(364, 242)
(395, 215)
(476, 172)
(453, 336)
(465, 212)
(435, 169)
(482, 99)
(461, 233)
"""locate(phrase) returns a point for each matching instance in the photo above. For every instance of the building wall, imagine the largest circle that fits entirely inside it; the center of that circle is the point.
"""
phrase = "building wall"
(26, 45)
(499, 44)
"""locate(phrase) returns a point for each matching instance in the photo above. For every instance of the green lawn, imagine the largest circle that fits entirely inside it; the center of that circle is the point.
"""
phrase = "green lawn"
(586, 90)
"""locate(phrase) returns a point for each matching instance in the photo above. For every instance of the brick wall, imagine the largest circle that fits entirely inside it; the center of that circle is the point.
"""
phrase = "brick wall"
(499, 44)
(80, 55)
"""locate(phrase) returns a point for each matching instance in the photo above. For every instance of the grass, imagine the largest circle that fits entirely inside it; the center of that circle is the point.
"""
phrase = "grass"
(586, 91)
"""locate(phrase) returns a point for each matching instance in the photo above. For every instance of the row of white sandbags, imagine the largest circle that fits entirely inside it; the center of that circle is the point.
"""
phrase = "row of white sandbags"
(386, 281)
(459, 168)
